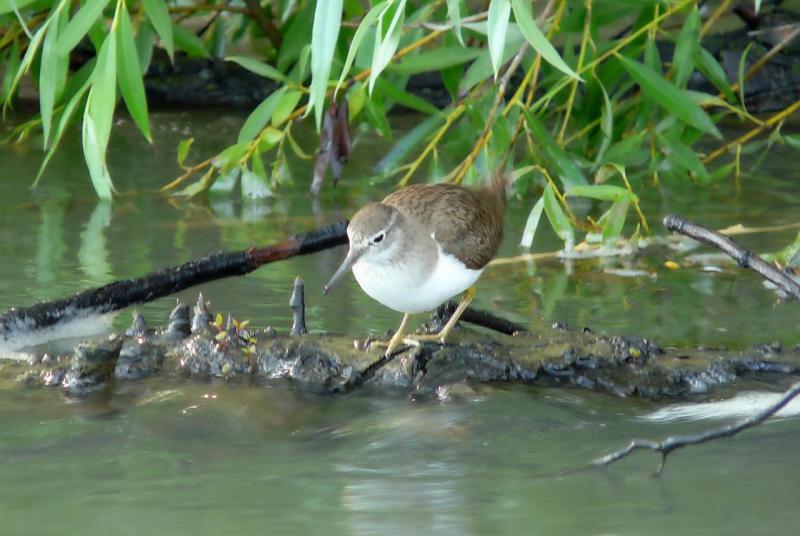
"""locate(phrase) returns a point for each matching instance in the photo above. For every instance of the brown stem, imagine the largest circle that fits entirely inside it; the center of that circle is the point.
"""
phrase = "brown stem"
(265, 22)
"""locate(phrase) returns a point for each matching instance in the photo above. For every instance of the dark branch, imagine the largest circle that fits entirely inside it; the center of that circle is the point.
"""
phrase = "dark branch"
(481, 318)
(264, 22)
(121, 294)
(743, 257)
(675, 442)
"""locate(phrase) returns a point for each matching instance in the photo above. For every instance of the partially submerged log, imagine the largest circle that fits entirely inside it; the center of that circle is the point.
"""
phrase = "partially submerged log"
(623, 366)
(203, 348)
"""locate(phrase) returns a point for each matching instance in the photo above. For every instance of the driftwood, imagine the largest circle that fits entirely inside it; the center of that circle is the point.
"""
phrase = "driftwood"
(19, 322)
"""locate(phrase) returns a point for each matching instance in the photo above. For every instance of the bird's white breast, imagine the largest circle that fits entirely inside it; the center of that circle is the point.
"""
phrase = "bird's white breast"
(401, 287)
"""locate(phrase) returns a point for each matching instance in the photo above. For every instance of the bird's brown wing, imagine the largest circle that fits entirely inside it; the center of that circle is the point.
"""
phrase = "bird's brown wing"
(467, 223)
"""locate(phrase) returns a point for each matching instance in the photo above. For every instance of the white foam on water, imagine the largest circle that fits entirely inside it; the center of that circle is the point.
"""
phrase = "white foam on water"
(741, 406)
(89, 325)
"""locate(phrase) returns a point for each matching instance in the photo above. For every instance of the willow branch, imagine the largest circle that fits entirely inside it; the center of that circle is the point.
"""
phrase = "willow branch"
(265, 22)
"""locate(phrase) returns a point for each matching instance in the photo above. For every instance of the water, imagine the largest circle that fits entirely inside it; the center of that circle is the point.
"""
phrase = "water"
(171, 457)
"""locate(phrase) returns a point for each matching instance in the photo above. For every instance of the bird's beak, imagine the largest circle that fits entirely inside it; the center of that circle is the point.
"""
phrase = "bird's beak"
(352, 257)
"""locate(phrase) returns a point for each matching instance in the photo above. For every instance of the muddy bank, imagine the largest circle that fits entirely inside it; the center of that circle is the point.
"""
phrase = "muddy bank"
(200, 348)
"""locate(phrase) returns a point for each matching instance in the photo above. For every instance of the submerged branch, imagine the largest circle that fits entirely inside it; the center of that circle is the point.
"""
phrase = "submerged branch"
(675, 442)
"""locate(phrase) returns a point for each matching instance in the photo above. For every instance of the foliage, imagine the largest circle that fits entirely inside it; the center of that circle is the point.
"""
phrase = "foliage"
(600, 121)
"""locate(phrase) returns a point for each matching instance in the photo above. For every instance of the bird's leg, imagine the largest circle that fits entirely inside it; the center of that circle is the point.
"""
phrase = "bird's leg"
(440, 337)
(396, 339)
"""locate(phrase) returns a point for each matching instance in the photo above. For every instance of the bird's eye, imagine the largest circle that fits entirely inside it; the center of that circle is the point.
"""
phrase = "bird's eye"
(378, 238)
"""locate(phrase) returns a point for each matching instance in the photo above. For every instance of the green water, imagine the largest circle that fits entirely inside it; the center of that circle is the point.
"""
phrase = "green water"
(160, 457)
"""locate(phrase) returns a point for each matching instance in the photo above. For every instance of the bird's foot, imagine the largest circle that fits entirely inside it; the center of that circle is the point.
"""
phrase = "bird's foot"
(426, 337)
(392, 344)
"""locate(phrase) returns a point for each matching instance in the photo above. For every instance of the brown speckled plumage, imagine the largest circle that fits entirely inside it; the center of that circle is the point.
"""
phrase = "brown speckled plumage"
(467, 223)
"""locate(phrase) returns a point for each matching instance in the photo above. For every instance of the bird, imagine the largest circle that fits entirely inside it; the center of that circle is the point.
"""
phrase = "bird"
(422, 245)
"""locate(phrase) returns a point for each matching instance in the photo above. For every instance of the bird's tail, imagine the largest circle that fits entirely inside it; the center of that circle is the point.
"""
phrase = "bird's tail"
(499, 185)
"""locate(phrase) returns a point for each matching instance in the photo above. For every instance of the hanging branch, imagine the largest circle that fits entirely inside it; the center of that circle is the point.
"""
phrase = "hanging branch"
(743, 257)
(120, 294)
(675, 442)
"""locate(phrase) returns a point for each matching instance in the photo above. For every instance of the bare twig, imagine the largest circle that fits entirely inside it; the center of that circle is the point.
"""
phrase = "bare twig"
(298, 305)
(743, 257)
(671, 443)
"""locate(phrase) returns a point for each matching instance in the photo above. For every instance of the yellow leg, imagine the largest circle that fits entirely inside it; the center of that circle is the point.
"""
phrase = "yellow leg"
(396, 339)
(466, 299)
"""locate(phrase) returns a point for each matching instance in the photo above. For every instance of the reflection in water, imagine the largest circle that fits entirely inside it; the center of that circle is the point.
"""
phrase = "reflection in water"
(406, 479)
(271, 458)
(93, 253)
(50, 246)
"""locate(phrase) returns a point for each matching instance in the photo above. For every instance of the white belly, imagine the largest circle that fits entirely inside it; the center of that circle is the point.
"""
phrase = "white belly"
(406, 291)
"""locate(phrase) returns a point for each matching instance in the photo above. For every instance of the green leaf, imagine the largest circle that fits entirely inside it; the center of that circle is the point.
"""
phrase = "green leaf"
(711, 69)
(11, 67)
(377, 118)
(408, 100)
(622, 151)
(355, 43)
(531, 224)
(528, 27)
(66, 116)
(613, 220)
(408, 143)
(454, 13)
(793, 141)
(183, 150)
(260, 68)
(130, 74)
(603, 192)
(568, 172)
(669, 97)
(188, 41)
(686, 48)
(682, 157)
(356, 97)
(557, 218)
(435, 59)
(144, 46)
(8, 6)
(386, 42)
(606, 124)
(285, 106)
(787, 256)
(481, 68)
(231, 157)
(98, 116)
(741, 73)
(497, 27)
(158, 14)
(79, 26)
(255, 184)
(259, 117)
(27, 60)
(52, 69)
(226, 183)
(652, 57)
(324, 34)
